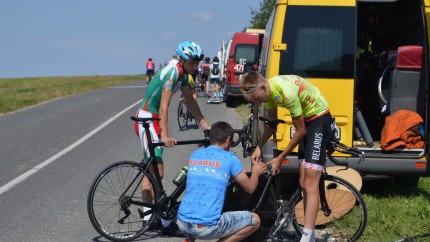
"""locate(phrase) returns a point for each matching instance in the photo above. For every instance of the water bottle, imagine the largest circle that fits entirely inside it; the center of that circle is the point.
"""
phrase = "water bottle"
(421, 129)
(181, 176)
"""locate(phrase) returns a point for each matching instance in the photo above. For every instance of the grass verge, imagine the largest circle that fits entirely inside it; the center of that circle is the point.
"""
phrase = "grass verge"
(17, 93)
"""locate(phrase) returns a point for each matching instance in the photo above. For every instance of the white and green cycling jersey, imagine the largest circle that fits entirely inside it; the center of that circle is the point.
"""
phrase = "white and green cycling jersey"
(171, 77)
(297, 95)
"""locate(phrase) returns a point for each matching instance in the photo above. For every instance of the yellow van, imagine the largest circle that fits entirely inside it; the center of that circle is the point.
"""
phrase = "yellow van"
(370, 58)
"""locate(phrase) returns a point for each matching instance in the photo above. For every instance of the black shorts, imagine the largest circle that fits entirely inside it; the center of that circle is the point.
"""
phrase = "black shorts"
(204, 77)
(319, 132)
(214, 80)
(148, 72)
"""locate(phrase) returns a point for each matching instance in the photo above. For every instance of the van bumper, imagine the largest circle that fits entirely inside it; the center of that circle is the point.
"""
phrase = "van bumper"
(233, 90)
(370, 166)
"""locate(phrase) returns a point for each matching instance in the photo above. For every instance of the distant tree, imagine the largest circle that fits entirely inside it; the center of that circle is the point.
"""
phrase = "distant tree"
(260, 17)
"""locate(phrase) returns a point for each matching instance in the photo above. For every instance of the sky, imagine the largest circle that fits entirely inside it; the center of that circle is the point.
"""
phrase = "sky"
(110, 37)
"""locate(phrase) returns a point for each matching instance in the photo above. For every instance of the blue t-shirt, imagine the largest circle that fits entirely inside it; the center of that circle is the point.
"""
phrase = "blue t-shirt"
(209, 171)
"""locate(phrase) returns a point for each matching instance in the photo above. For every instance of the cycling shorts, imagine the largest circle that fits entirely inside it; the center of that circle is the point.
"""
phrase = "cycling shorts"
(155, 131)
(312, 148)
(205, 78)
(214, 80)
(148, 72)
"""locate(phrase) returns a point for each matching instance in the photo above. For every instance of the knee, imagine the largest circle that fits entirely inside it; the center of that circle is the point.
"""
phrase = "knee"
(301, 182)
(256, 220)
(309, 186)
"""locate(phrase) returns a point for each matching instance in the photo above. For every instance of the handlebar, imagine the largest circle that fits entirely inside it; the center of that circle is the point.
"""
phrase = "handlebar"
(335, 145)
(203, 142)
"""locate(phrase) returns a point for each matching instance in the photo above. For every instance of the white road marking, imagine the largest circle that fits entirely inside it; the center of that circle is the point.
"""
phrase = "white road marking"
(35, 169)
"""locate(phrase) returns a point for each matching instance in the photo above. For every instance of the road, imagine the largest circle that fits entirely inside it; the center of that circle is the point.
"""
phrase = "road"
(51, 152)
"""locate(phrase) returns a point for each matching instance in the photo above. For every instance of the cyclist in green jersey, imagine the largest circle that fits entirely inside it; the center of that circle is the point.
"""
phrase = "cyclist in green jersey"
(156, 104)
(314, 129)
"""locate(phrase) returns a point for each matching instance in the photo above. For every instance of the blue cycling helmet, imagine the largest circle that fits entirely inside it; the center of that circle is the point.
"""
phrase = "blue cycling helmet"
(190, 51)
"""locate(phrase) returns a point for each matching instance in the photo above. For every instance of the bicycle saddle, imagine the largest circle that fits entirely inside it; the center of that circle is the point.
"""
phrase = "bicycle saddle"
(273, 123)
(143, 120)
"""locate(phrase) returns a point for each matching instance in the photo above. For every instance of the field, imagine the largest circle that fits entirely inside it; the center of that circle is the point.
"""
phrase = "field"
(18, 93)
(395, 210)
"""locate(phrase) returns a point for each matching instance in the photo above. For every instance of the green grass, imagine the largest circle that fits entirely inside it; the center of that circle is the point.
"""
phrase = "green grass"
(18, 93)
(396, 211)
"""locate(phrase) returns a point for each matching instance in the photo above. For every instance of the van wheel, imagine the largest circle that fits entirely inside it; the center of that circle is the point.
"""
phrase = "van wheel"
(229, 101)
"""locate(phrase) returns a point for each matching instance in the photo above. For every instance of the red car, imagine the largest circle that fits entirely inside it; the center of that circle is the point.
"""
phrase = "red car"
(243, 57)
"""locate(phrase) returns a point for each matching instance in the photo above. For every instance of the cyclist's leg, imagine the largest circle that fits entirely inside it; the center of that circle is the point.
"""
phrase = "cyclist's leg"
(232, 226)
(207, 87)
(246, 231)
(155, 134)
(318, 135)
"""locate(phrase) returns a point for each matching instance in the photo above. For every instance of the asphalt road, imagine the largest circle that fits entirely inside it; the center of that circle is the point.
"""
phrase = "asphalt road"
(50, 154)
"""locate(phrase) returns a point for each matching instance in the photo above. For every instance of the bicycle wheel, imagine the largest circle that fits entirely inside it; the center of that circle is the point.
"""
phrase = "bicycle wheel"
(237, 199)
(115, 202)
(182, 115)
(348, 218)
(249, 139)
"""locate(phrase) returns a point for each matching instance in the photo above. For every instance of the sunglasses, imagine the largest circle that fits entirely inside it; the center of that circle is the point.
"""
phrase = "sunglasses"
(246, 89)
(197, 58)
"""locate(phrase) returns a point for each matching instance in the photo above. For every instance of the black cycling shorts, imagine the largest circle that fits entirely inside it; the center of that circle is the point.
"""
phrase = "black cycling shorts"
(319, 132)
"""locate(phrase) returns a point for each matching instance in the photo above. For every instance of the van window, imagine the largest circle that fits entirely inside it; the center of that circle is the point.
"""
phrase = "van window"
(265, 45)
(246, 54)
(320, 45)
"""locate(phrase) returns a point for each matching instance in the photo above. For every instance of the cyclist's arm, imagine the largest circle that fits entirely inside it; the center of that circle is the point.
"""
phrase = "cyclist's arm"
(193, 106)
(249, 184)
(267, 133)
(299, 125)
(163, 111)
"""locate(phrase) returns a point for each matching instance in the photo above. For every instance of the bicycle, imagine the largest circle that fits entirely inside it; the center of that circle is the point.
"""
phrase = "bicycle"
(342, 216)
(249, 136)
(184, 115)
(116, 206)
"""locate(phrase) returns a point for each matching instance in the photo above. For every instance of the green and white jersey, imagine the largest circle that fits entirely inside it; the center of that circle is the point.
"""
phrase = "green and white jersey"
(297, 95)
(171, 77)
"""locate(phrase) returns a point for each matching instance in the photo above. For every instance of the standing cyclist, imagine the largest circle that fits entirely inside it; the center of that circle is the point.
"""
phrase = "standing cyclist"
(206, 72)
(314, 129)
(150, 66)
(215, 78)
(156, 104)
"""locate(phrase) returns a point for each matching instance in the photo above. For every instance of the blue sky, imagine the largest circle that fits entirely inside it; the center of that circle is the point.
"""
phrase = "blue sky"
(96, 37)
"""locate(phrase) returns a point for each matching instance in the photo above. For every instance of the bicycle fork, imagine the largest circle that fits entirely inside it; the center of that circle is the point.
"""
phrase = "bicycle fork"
(324, 205)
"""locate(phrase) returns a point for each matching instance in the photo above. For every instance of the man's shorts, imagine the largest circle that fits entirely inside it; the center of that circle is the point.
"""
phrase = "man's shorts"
(214, 80)
(154, 129)
(313, 146)
(205, 78)
(229, 223)
(148, 72)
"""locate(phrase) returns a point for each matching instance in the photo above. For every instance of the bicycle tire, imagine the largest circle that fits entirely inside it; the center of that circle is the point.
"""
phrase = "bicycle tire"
(104, 202)
(237, 199)
(249, 137)
(348, 217)
(182, 115)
